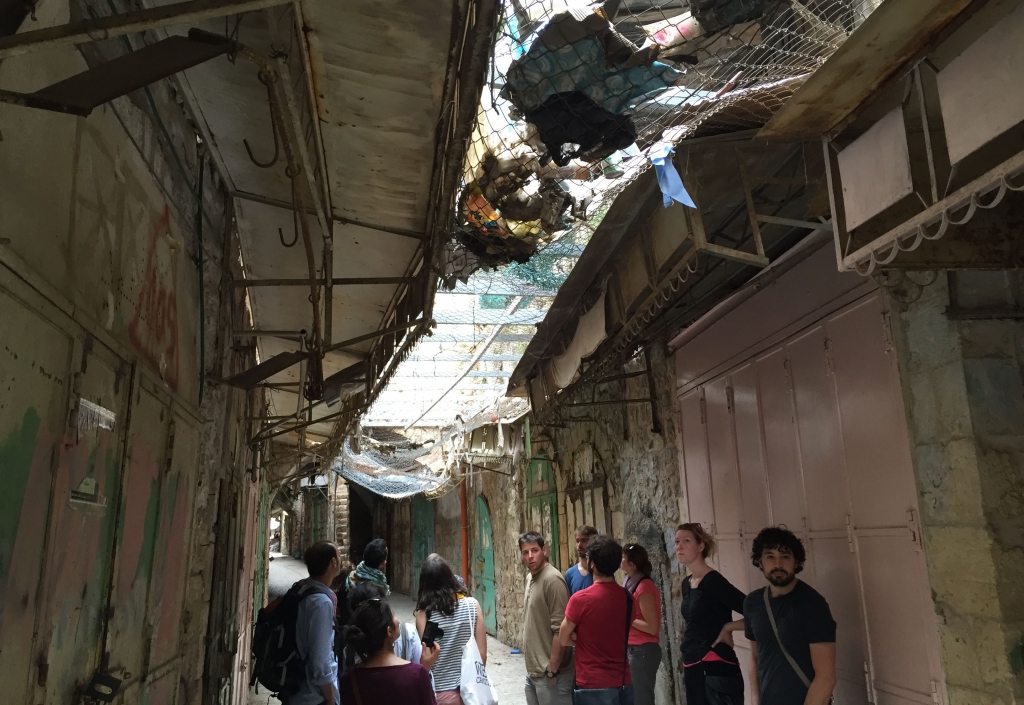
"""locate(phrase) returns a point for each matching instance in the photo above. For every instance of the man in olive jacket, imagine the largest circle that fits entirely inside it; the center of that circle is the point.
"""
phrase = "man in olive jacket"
(549, 667)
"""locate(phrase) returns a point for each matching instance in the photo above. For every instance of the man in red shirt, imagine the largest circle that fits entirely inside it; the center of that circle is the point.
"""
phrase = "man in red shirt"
(598, 617)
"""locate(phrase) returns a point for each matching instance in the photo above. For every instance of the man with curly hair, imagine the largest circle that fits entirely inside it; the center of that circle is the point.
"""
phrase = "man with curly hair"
(790, 627)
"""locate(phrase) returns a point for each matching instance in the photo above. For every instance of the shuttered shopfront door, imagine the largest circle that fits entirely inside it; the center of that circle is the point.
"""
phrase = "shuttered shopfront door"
(810, 432)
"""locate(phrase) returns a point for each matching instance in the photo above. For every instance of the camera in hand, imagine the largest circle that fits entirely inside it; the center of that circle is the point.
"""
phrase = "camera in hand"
(432, 632)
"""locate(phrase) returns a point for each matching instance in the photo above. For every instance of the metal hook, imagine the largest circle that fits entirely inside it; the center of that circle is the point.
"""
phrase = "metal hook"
(273, 129)
(280, 235)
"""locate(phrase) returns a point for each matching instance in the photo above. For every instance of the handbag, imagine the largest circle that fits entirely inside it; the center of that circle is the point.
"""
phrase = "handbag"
(792, 661)
(622, 695)
(474, 685)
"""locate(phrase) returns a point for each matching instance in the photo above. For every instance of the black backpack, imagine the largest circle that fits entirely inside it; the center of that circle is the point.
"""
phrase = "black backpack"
(277, 665)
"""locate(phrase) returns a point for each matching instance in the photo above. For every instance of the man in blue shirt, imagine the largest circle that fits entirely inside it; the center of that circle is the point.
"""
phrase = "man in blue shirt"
(314, 628)
(578, 576)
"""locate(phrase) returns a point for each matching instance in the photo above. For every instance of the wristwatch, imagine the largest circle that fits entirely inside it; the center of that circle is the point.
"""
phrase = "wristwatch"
(548, 673)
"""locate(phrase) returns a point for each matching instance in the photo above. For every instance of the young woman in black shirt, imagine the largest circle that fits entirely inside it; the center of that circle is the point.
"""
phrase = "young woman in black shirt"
(710, 667)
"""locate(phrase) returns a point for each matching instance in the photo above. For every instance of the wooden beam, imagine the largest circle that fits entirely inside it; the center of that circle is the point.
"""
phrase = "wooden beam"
(100, 28)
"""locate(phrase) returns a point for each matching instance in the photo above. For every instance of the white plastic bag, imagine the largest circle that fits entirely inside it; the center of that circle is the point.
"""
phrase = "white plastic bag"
(475, 687)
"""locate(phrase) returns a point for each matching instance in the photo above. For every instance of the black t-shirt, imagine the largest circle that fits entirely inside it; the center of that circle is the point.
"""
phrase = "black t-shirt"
(803, 618)
(707, 608)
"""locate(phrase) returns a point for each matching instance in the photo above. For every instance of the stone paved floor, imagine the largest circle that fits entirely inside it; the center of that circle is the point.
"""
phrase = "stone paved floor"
(506, 670)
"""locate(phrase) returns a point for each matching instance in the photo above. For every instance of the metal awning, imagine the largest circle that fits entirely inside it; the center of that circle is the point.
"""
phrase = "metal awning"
(887, 39)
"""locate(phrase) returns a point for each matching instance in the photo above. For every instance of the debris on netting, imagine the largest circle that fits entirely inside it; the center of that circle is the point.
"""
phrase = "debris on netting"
(582, 97)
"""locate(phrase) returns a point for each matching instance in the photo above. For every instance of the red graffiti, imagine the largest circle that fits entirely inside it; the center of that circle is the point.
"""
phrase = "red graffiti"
(153, 330)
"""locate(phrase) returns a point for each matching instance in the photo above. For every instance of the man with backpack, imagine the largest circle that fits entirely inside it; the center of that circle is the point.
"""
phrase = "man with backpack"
(293, 643)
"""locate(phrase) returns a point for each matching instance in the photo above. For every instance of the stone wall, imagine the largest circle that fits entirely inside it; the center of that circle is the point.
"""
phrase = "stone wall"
(448, 530)
(962, 382)
(503, 495)
(641, 476)
(642, 472)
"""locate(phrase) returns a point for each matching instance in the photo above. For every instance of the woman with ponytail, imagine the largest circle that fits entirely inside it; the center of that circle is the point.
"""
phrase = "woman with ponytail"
(381, 676)
(711, 670)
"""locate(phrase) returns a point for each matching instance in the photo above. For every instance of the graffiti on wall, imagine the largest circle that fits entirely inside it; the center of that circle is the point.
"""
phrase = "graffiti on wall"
(153, 329)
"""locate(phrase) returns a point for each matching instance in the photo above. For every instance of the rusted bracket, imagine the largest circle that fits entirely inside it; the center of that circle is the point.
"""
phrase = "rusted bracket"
(84, 92)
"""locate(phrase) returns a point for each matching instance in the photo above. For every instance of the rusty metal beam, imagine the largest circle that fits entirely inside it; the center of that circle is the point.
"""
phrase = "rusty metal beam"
(277, 203)
(624, 375)
(268, 368)
(809, 224)
(371, 336)
(611, 401)
(286, 334)
(305, 424)
(93, 30)
(336, 281)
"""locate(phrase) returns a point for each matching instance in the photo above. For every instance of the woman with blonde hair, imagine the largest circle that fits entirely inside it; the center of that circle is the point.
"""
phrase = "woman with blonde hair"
(711, 669)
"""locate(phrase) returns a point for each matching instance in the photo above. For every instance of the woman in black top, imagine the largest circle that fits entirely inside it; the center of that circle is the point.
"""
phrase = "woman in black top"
(710, 668)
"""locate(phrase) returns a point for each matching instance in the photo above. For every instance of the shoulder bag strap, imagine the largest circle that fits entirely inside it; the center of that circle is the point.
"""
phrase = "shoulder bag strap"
(472, 618)
(775, 629)
(629, 623)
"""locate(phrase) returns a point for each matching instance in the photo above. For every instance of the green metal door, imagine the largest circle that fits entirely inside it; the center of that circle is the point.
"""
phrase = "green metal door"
(483, 571)
(422, 536)
(542, 504)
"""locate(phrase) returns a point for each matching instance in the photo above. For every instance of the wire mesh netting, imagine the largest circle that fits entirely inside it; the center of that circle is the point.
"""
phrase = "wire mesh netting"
(581, 95)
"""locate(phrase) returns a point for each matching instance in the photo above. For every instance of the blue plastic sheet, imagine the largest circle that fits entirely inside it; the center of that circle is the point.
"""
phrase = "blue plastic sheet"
(672, 188)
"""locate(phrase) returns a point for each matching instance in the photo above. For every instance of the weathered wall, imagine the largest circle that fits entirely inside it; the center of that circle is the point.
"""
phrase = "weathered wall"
(399, 540)
(448, 530)
(639, 465)
(962, 382)
(503, 495)
(111, 297)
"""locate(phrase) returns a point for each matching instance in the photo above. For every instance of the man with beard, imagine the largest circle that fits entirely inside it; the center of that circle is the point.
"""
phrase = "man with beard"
(790, 627)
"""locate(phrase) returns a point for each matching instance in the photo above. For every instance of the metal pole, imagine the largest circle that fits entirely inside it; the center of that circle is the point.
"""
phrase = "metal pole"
(464, 512)
(371, 336)
(336, 281)
(609, 401)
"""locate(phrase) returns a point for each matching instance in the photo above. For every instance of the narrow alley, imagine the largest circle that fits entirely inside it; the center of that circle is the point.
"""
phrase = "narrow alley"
(719, 301)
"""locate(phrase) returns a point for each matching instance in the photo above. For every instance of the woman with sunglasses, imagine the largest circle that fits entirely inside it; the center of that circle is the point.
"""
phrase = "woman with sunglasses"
(381, 676)
(644, 651)
(711, 669)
